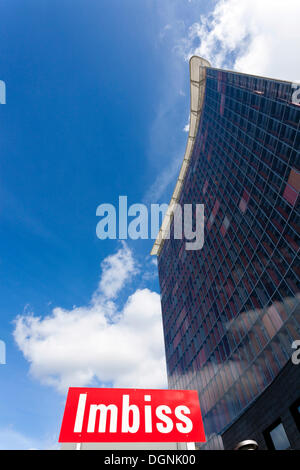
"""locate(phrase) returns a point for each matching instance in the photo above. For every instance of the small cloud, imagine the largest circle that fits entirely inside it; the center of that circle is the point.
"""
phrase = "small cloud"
(166, 28)
(162, 182)
(116, 269)
(11, 439)
(151, 272)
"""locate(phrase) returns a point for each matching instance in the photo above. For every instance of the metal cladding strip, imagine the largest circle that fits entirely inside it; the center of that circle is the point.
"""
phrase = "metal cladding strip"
(197, 87)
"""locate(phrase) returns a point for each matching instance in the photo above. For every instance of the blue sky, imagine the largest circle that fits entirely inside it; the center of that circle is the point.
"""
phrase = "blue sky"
(91, 93)
(97, 99)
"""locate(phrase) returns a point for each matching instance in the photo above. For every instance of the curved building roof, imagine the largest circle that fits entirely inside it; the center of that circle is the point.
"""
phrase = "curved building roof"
(197, 86)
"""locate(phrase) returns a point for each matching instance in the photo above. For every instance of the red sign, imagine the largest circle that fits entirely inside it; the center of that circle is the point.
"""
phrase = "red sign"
(130, 415)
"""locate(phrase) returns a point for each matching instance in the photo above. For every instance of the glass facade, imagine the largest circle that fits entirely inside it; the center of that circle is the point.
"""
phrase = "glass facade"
(232, 309)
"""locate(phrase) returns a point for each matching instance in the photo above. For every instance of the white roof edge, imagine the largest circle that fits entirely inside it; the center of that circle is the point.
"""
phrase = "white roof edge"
(197, 87)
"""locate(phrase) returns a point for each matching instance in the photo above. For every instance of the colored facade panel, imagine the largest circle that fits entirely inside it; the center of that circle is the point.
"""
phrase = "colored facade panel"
(231, 310)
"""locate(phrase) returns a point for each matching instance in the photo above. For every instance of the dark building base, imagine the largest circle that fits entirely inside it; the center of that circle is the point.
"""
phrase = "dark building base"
(277, 404)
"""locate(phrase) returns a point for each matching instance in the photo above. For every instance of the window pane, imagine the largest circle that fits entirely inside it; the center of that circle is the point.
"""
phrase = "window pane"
(279, 438)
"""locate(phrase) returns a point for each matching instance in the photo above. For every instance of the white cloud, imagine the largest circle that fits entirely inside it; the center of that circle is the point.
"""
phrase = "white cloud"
(163, 181)
(98, 343)
(186, 127)
(154, 261)
(10, 439)
(115, 272)
(164, 30)
(251, 36)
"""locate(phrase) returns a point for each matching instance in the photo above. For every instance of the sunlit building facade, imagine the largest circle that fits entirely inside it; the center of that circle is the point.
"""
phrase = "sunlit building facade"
(231, 310)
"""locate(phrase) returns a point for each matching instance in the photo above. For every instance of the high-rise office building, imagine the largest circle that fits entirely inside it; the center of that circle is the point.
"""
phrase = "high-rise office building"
(231, 311)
